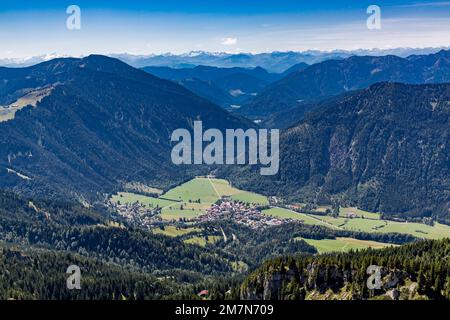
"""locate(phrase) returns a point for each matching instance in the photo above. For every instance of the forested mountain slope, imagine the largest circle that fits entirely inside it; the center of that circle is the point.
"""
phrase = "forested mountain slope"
(333, 77)
(224, 86)
(385, 148)
(96, 123)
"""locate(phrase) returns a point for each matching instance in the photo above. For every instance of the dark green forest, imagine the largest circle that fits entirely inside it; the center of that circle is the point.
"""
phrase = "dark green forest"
(414, 271)
(40, 239)
(383, 149)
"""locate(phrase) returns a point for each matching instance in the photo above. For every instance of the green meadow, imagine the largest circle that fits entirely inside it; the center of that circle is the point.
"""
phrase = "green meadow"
(202, 241)
(250, 197)
(289, 214)
(224, 189)
(343, 244)
(150, 202)
(344, 212)
(210, 190)
(370, 223)
(173, 231)
(194, 190)
(437, 231)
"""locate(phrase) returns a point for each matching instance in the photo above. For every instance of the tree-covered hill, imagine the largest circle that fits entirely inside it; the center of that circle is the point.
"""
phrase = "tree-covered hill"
(334, 77)
(40, 239)
(101, 124)
(415, 271)
(385, 148)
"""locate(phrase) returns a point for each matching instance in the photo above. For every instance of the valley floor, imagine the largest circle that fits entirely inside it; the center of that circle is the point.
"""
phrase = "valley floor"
(180, 211)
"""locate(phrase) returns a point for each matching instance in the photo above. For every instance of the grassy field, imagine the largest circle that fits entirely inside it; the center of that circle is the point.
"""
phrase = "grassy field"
(181, 202)
(289, 214)
(338, 222)
(173, 231)
(211, 190)
(30, 99)
(194, 190)
(438, 231)
(128, 198)
(344, 244)
(365, 225)
(223, 188)
(371, 223)
(343, 212)
(420, 230)
(323, 208)
(202, 241)
(250, 197)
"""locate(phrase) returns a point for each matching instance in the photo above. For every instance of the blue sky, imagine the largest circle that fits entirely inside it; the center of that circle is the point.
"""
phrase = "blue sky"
(29, 28)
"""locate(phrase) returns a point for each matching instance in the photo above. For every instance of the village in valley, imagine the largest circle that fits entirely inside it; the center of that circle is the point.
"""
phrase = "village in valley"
(184, 210)
(141, 211)
(240, 212)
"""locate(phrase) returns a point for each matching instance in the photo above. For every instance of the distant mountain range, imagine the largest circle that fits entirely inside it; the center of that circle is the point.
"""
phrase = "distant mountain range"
(385, 148)
(96, 123)
(334, 77)
(228, 87)
(274, 62)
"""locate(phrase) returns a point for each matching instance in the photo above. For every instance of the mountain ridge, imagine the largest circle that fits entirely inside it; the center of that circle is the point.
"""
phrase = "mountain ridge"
(104, 124)
(225, 86)
(383, 149)
(333, 77)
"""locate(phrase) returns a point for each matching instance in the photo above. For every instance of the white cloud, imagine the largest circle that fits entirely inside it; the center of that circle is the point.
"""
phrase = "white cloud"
(229, 41)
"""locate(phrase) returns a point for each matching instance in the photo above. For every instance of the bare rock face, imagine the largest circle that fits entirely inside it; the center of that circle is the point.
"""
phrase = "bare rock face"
(267, 287)
(322, 278)
(413, 289)
(392, 278)
(272, 285)
(394, 294)
(316, 277)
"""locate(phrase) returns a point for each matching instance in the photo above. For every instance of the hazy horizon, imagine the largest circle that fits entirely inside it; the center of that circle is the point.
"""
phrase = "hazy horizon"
(30, 29)
(53, 55)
